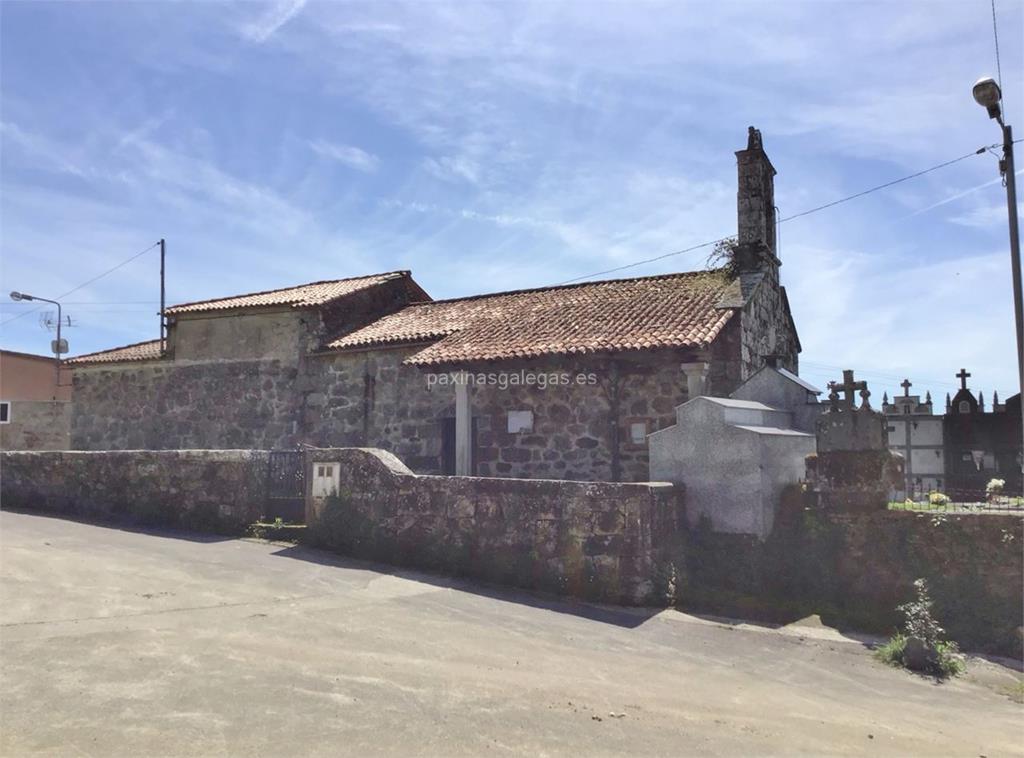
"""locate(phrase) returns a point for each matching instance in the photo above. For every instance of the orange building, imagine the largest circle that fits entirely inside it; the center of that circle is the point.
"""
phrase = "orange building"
(35, 404)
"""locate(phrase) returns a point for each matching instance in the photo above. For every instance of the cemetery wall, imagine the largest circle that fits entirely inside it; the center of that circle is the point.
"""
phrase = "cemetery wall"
(854, 569)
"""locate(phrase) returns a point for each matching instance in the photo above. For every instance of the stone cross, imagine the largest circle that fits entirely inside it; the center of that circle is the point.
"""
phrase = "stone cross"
(906, 384)
(962, 376)
(848, 387)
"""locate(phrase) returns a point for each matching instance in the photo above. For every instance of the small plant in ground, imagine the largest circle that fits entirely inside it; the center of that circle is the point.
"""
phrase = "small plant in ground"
(920, 646)
(938, 498)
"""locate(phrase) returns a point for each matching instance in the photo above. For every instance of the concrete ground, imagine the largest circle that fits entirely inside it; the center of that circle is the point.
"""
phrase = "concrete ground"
(118, 643)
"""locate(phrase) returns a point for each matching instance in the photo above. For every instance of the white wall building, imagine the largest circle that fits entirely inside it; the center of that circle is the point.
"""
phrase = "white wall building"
(736, 455)
(915, 432)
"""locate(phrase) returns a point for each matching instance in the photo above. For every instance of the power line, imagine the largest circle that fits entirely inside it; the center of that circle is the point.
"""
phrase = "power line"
(848, 198)
(125, 262)
(995, 35)
(869, 372)
(902, 179)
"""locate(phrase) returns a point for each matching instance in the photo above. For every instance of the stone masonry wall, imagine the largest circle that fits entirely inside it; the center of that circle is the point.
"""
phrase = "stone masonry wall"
(37, 425)
(209, 405)
(855, 569)
(371, 399)
(767, 329)
(207, 490)
(596, 540)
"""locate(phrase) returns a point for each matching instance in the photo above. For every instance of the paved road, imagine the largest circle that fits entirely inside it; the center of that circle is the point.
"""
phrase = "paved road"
(116, 643)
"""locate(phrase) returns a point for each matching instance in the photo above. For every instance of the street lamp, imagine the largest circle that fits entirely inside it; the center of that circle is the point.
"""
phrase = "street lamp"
(58, 347)
(988, 95)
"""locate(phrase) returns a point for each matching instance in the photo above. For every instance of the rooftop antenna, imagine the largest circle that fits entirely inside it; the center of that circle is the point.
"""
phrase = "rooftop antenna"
(48, 321)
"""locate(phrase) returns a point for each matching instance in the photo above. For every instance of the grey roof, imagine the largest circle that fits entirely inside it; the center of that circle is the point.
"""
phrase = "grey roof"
(773, 430)
(794, 378)
(729, 402)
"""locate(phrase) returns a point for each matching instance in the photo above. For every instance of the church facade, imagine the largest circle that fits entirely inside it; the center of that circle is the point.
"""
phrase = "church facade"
(560, 382)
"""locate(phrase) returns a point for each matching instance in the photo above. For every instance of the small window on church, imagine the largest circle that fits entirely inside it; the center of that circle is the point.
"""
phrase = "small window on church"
(965, 407)
(638, 432)
(5, 413)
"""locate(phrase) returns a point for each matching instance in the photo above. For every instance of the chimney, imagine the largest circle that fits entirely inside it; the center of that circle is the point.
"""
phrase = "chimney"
(755, 206)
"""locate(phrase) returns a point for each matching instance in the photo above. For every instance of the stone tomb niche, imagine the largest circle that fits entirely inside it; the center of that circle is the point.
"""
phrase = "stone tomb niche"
(853, 470)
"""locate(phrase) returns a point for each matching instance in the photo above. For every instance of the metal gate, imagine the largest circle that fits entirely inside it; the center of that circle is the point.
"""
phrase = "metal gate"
(286, 486)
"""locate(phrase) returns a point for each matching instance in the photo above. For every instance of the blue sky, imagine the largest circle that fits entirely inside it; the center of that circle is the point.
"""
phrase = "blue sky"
(505, 145)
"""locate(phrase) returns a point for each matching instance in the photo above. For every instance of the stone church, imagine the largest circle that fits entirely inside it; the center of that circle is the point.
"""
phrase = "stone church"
(558, 382)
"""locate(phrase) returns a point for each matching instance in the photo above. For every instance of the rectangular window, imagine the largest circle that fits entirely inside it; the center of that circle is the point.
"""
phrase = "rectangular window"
(5, 412)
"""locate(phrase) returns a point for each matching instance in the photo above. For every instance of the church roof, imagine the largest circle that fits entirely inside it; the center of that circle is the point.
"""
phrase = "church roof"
(300, 296)
(137, 351)
(672, 310)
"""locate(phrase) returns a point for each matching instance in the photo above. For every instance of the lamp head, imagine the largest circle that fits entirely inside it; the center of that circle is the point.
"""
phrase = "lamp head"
(988, 95)
(19, 296)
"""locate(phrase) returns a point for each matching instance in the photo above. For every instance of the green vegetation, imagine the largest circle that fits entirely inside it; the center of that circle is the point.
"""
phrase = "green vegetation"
(276, 531)
(920, 646)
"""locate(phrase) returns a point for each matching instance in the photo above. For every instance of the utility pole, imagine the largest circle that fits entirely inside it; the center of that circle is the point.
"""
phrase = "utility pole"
(163, 317)
(988, 95)
(1010, 174)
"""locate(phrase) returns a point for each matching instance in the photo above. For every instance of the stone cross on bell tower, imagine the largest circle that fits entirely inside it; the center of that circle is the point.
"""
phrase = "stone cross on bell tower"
(963, 376)
(906, 384)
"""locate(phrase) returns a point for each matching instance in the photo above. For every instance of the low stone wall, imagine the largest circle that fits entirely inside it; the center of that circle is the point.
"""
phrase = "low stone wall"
(37, 425)
(595, 540)
(854, 569)
(206, 490)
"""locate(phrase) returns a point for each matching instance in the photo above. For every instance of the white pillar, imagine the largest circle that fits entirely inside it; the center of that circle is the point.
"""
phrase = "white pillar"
(696, 373)
(463, 429)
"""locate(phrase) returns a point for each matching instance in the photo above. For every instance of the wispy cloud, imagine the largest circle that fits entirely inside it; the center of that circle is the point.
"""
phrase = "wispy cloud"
(266, 25)
(985, 216)
(39, 148)
(353, 157)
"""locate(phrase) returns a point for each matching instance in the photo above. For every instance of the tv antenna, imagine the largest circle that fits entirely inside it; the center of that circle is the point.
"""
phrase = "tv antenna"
(48, 321)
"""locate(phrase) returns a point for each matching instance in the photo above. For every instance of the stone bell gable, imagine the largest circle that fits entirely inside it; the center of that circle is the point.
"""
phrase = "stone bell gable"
(767, 331)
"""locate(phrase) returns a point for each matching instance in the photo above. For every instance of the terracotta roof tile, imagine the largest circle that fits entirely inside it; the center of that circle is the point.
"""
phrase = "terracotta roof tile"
(675, 310)
(302, 296)
(138, 351)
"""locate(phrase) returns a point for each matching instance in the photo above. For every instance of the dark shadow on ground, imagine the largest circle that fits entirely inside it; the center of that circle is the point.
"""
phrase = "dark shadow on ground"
(123, 525)
(622, 616)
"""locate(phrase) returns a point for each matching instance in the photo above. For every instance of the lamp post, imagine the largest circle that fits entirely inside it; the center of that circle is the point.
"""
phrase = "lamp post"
(18, 297)
(988, 95)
